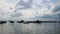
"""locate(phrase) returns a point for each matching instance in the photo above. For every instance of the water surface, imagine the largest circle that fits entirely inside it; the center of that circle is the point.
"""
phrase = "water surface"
(31, 28)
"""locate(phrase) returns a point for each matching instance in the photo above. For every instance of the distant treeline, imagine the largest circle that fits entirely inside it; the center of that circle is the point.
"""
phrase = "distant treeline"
(22, 21)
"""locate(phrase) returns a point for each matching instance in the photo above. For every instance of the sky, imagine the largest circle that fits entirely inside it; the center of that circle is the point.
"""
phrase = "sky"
(29, 9)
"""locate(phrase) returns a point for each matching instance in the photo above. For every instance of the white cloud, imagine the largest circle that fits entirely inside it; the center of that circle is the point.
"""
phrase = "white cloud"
(39, 8)
(5, 9)
(11, 1)
(26, 0)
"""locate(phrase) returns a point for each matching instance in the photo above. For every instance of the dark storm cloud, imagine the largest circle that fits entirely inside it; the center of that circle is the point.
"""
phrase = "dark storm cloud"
(58, 15)
(47, 16)
(56, 8)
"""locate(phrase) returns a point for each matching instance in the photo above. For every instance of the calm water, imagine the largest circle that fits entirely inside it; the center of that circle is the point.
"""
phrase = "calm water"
(31, 28)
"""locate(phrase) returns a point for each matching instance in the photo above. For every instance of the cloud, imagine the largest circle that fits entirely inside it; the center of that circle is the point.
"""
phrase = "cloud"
(24, 4)
(40, 8)
(32, 9)
(47, 9)
(11, 1)
(15, 14)
(56, 8)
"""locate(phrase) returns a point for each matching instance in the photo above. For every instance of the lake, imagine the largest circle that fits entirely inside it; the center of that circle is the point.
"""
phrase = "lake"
(31, 28)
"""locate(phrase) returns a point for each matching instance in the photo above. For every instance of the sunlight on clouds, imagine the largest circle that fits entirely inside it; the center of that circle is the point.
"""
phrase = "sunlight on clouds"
(27, 13)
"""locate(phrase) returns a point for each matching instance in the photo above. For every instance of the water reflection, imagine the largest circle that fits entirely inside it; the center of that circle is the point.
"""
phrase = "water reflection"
(31, 28)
